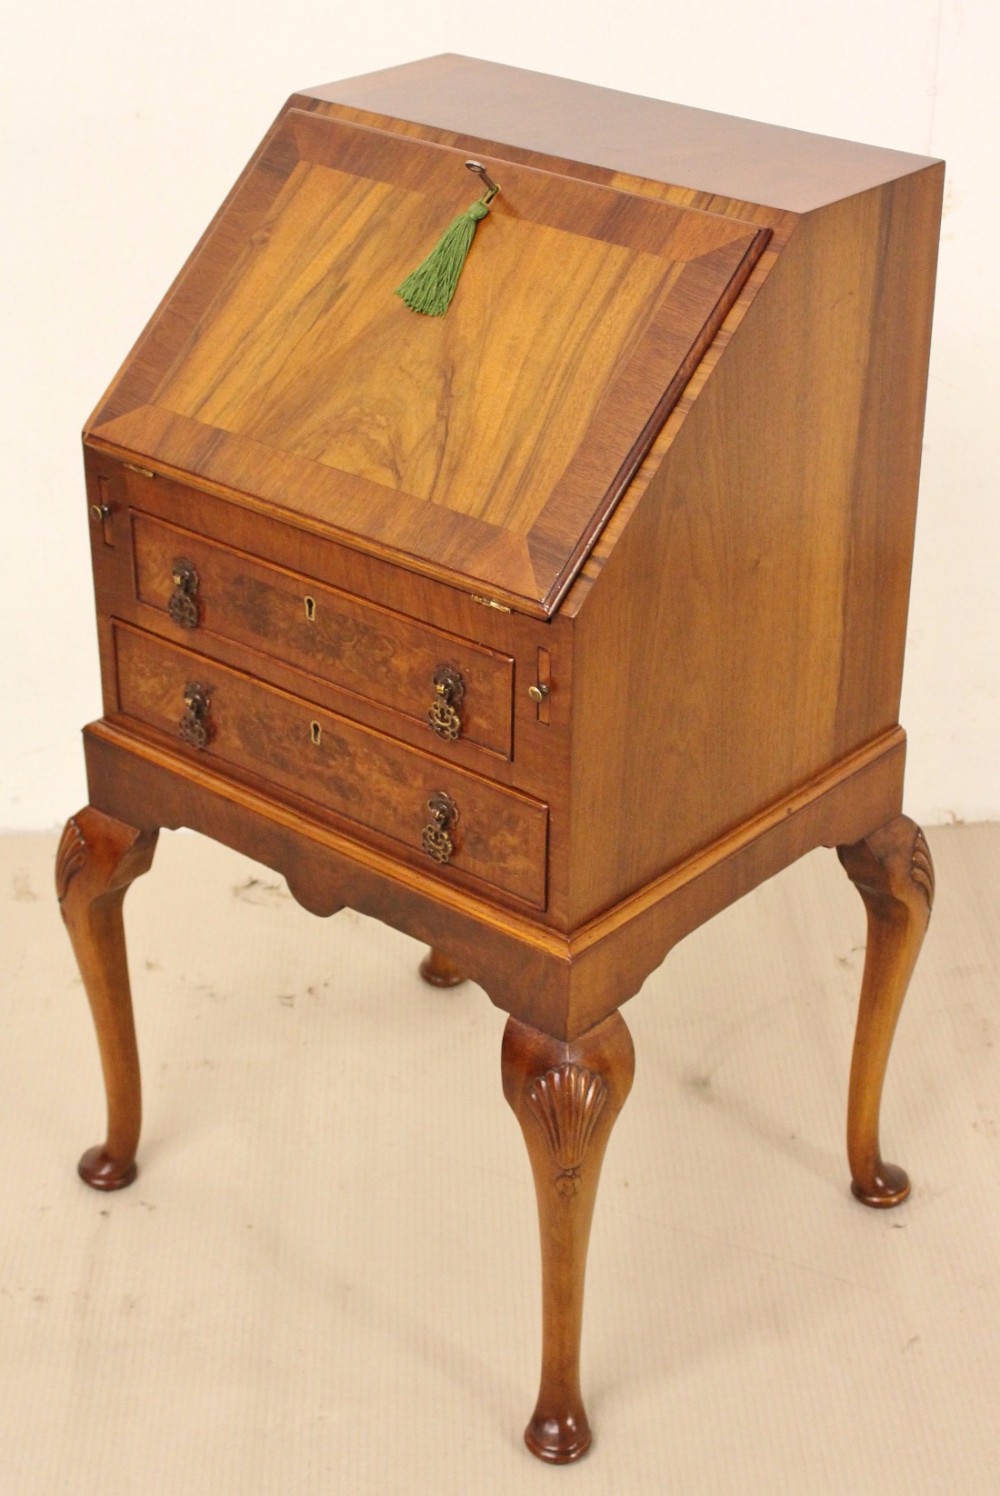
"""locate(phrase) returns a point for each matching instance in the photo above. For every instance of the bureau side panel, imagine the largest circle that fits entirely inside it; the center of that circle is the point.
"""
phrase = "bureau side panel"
(747, 629)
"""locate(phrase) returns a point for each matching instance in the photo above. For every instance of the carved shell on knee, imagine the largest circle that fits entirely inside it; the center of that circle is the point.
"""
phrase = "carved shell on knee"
(922, 868)
(71, 856)
(567, 1102)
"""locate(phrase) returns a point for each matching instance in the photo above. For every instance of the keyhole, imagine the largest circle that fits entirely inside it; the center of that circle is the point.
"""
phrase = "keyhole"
(310, 606)
(315, 733)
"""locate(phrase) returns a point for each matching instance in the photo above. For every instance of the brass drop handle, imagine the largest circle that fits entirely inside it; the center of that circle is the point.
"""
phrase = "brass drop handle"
(196, 727)
(183, 605)
(434, 839)
(449, 689)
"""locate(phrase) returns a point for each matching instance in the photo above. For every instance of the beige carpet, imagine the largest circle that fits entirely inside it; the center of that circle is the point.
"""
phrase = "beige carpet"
(325, 1278)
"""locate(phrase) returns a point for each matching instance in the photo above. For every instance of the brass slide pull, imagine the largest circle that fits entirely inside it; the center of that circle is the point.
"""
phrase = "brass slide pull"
(435, 840)
(196, 725)
(183, 605)
(449, 689)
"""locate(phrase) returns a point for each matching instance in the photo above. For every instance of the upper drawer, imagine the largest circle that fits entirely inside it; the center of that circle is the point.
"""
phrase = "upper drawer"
(358, 646)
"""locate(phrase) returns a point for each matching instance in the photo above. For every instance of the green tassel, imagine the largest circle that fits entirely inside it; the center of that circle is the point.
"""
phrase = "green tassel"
(430, 287)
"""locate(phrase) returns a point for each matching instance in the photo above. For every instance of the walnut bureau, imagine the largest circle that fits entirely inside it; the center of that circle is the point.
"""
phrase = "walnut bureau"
(543, 629)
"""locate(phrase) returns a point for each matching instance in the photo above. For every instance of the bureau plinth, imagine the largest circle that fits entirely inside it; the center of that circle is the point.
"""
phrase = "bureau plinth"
(541, 630)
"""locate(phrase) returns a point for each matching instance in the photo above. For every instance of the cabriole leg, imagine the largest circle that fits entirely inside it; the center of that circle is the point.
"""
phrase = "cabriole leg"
(566, 1098)
(893, 872)
(97, 860)
(436, 969)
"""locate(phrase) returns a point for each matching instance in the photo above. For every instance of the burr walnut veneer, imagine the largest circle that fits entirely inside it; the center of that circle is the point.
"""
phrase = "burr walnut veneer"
(542, 630)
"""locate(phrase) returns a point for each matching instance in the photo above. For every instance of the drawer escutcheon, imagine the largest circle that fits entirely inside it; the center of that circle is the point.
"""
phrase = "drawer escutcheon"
(434, 839)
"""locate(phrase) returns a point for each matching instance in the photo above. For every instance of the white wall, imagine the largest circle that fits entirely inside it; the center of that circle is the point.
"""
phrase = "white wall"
(124, 125)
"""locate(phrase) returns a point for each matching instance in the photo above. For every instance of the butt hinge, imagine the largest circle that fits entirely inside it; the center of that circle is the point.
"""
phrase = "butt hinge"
(490, 602)
(134, 467)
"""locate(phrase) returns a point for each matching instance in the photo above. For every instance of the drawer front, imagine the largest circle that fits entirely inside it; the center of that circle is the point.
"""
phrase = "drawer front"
(360, 647)
(497, 836)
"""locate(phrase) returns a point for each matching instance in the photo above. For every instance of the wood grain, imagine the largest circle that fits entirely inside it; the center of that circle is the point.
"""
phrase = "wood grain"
(580, 316)
(661, 457)
(562, 983)
(349, 771)
(539, 765)
(438, 971)
(894, 874)
(566, 1098)
(98, 859)
(364, 649)
(582, 125)
(766, 565)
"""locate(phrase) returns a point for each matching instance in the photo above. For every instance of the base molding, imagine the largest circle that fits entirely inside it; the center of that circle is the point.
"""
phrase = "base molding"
(564, 982)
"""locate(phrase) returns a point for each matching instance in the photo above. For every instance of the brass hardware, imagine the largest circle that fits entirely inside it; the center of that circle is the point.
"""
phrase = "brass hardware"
(315, 733)
(489, 602)
(196, 727)
(541, 690)
(480, 170)
(309, 603)
(134, 467)
(183, 605)
(434, 838)
(101, 512)
(443, 715)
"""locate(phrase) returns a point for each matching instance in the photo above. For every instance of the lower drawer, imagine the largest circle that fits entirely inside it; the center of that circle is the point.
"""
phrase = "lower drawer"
(455, 818)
